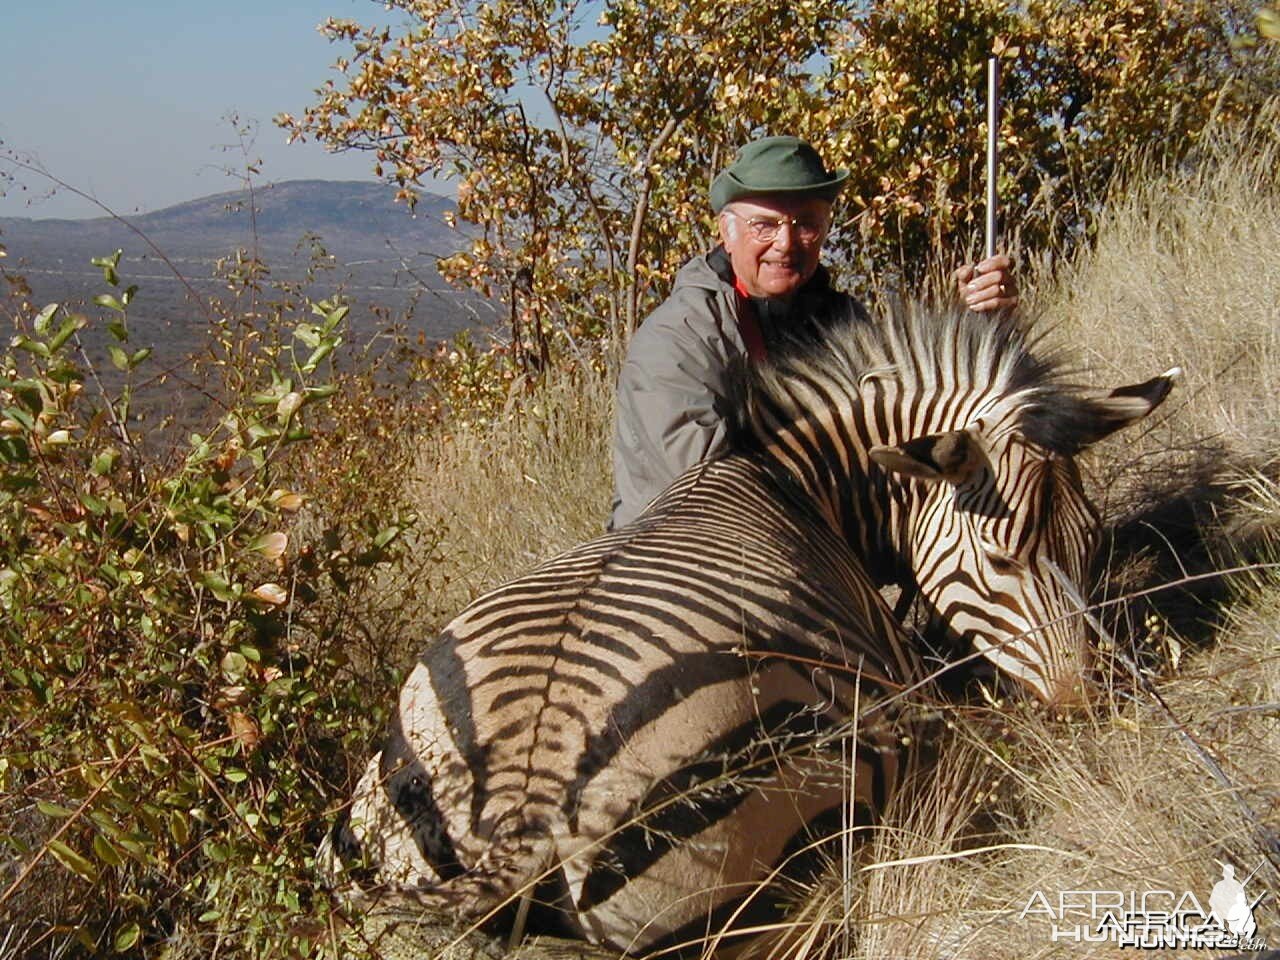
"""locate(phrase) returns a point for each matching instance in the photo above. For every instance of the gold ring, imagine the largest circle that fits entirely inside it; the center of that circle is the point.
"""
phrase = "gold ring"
(1002, 289)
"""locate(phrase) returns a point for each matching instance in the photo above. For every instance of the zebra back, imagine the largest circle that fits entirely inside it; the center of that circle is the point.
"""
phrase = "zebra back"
(656, 734)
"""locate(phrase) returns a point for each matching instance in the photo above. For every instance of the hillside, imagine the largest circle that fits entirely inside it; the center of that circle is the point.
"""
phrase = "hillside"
(380, 253)
(201, 647)
(344, 212)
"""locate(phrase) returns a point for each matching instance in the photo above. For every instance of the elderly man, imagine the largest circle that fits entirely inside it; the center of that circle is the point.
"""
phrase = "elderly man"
(763, 285)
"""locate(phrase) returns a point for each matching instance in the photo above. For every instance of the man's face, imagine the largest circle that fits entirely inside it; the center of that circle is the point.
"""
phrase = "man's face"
(780, 266)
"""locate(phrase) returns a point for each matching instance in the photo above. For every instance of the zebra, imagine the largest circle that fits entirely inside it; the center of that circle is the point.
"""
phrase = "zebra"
(639, 730)
(645, 741)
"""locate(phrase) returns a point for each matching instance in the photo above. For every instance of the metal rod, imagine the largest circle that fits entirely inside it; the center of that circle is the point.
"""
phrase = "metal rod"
(993, 150)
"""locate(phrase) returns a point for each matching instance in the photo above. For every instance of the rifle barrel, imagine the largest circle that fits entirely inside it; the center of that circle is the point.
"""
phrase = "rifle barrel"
(993, 151)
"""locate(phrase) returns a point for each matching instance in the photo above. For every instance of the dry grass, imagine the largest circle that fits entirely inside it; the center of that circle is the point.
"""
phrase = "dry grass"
(1184, 273)
(502, 500)
(1122, 801)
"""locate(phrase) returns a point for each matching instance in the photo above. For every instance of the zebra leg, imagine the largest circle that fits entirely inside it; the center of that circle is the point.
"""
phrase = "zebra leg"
(514, 887)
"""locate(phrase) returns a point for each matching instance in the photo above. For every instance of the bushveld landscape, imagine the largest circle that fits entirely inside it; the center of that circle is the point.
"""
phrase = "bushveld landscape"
(310, 237)
(201, 640)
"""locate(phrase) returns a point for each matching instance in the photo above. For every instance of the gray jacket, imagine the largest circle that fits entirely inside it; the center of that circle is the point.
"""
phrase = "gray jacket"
(672, 391)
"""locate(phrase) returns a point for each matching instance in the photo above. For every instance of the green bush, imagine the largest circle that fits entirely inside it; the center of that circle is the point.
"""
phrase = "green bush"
(190, 644)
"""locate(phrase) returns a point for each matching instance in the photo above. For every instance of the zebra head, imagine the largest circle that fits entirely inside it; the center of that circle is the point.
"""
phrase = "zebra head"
(1003, 534)
(943, 448)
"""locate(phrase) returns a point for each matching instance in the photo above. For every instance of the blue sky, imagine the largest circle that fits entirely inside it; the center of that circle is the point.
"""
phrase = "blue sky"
(127, 100)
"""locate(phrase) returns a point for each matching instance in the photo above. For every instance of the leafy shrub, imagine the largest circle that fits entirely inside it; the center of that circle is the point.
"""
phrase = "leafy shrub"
(191, 648)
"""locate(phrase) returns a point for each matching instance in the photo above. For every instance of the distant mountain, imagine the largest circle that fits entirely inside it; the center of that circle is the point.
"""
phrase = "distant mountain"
(382, 256)
(349, 205)
(379, 257)
(346, 213)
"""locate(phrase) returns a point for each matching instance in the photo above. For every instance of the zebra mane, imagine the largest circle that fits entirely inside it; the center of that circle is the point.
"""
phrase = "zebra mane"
(927, 352)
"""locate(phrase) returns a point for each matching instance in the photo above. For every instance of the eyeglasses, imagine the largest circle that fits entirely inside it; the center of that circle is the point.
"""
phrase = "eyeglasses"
(766, 229)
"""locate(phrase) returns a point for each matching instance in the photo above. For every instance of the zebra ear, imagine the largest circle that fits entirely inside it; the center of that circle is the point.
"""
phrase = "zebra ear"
(950, 456)
(1126, 405)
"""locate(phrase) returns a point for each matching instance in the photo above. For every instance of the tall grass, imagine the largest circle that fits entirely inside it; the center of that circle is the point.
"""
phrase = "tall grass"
(1183, 272)
(504, 499)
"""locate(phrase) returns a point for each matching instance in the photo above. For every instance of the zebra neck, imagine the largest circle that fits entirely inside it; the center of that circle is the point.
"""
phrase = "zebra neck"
(825, 454)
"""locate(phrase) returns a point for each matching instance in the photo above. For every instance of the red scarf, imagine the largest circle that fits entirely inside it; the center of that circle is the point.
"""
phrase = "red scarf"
(749, 325)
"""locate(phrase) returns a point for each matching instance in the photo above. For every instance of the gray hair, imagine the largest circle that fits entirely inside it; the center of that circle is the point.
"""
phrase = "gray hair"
(728, 224)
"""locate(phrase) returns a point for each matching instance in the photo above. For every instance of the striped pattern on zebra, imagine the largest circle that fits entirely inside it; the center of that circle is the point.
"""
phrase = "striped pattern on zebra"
(645, 733)
(944, 450)
(644, 729)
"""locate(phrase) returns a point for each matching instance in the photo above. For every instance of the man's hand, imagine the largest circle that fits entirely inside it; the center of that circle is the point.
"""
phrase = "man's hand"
(988, 285)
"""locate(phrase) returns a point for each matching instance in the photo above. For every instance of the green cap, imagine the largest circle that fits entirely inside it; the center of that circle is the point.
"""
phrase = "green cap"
(775, 165)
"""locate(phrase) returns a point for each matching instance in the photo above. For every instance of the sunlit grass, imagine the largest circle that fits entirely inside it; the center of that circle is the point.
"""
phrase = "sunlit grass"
(505, 499)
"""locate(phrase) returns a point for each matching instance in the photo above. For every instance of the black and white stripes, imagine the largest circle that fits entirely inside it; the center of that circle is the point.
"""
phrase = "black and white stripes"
(648, 728)
(942, 449)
